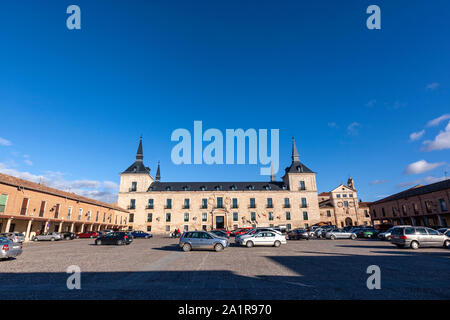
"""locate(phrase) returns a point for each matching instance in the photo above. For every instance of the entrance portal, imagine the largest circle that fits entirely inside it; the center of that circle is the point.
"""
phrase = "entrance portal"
(220, 222)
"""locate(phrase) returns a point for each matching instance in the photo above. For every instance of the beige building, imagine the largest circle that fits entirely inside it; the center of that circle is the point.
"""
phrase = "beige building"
(161, 207)
(340, 207)
(427, 205)
(29, 207)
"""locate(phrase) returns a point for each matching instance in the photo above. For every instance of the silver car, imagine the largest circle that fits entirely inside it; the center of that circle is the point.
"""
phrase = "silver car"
(415, 237)
(16, 237)
(251, 232)
(263, 238)
(202, 240)
(340, 234)
(48, 236)
(9, 249)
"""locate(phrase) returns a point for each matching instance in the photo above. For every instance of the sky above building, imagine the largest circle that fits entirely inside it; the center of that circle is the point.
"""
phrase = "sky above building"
(371, 104)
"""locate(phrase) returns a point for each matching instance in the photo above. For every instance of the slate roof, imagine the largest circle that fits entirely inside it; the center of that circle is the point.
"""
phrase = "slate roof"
(298, 167)
(416, 191)
(138, 166)
(211, 186)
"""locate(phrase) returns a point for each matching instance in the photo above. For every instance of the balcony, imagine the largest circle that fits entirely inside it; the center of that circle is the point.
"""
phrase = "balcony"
(235, 206)
(203, 207)
(269, 206)
(132, 190)
(23, 211)
(286, 205)
(303, 205)
(149, 206)
(131, 207)
(252, 206)
(168, 206)
(186, 207)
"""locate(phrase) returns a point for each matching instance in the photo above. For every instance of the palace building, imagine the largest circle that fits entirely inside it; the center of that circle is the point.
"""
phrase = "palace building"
(29, 207)
(159, 206)
(340, 207)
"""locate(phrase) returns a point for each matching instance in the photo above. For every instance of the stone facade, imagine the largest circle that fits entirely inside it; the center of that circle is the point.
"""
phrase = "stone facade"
(421, 205)
(161, 207)
(29, 207)
(341, 207)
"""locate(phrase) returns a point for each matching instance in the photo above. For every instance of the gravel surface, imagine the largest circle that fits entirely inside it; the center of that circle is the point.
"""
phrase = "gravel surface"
(157, 269)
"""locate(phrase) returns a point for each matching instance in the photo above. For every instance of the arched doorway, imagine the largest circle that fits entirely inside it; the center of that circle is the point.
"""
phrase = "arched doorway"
(348, 222)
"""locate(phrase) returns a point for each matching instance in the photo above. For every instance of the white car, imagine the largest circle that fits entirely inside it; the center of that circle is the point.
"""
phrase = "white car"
(251, 232)
(263, 238)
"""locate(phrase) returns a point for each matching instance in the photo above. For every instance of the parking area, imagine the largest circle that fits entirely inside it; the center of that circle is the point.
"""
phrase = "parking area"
(157, 269)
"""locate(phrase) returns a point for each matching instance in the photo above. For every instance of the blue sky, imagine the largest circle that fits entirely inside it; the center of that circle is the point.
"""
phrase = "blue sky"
(74, 103)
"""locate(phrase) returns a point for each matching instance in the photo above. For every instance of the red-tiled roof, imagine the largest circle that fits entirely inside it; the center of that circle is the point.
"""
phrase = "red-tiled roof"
(17, 182)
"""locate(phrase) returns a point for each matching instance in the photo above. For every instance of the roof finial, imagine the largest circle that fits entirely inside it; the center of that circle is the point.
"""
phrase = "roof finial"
(158, 174)
(295, 156)
(140, 154)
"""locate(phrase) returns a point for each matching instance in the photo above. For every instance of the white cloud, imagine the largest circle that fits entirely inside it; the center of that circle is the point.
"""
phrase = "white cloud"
(4, 142)
(28, 162)
(375, 182)
(440, 142)
(426, 180)
(102, 191)
(371, 103)
(416, 135)
(436, 121)
(421, 166)
(352, 128)
(433, 86)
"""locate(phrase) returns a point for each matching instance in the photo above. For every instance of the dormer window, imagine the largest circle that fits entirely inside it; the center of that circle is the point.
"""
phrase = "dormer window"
(233, 187)
(251, 187)
(267, 187)
(299, 168)
(284, 187)
(202, 188)
(169, 188)
(218, 188)
(151, 189)
(186, 188)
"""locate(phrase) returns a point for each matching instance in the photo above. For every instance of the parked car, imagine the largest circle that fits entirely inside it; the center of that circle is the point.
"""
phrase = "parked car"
(386, 235)
(263, 238)
(67, 235)
(251, 232)
(366, 232)
(224, 231)
(202, 240)
(443, 230)
(298, 234)
(16, 237)
(48, 236)
(415, 237)
(340, 234)
(116, 237)
(140, 234)
(320, 232)
(9, 249)
(240, 231)
(220, 233)
(87, 234)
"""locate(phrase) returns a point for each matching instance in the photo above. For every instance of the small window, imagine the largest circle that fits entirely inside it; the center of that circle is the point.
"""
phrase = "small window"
(186, 217)
(149, 217)
(235, 216)
(149, 228)
(305, 215)
(288, 215)
(168, 216)
(204, 216)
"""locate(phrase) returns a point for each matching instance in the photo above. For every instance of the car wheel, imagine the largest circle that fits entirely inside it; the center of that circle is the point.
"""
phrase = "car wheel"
(446, 243)
(249, 244)
(78, 237)
(146, 237)
(119, 242)
(333, 237)
(91, 237)
(277, 244)
(414, 245)
(99, 242)
(52, 239)
(218, 247)
(353, 236)
(35, 239)
(187, 247)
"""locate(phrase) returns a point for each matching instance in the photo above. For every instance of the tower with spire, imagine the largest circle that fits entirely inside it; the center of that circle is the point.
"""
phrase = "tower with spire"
(136, 178)
(298, 176)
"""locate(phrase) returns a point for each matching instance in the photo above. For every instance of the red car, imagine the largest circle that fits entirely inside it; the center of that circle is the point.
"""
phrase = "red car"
(88, 234)
(224, 230)
(240, 231)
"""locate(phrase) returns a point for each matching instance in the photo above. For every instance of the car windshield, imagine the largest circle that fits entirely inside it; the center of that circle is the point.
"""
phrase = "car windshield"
(3, 240)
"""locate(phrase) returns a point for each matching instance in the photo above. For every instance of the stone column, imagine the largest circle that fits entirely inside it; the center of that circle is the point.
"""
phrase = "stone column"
(60, 226)
(46, 226)
(72, 226)
(8, 225)
(441, 222)
(82, 227)
(91, 227)
(27, 234)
